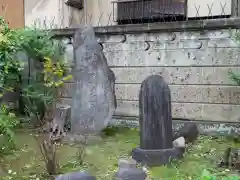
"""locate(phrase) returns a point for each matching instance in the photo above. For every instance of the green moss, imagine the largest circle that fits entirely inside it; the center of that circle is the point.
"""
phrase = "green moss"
(101, 159)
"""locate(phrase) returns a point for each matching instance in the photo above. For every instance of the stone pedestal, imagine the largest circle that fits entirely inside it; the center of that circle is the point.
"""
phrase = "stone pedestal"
(156, 157)
(155, 120)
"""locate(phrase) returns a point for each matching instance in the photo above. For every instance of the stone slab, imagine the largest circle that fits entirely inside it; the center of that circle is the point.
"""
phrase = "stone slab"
(182, 57)
(177, 75)
(208, 128)
(188, 93)
(193, 111)
(180, 93)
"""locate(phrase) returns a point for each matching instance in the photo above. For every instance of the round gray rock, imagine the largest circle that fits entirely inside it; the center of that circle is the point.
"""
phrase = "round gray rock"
(75, 176)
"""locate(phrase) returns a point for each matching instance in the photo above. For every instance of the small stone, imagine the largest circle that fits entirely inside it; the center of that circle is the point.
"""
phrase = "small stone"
(76, 176)
(131, 174)
(127, 163)
(189, 131)
(179, 143)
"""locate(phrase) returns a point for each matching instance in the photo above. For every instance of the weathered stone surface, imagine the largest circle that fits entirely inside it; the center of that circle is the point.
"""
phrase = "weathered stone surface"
(111, 39)
(157, 157)
(189, 57)
(127, 163)
(155, 116)
(176, 57)
(207, 128)
(93, 94)
(179, 143)
(195, 111)
(184, 35)
(177, 75)
(75, 176)
(179, 93)
(189, 132)
(127, 170)
(130, 174)
(155, 121)
(179, 43)
(187, 93)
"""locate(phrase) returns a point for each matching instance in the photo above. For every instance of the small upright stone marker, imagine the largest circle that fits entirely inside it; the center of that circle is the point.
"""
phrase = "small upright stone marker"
(155, 120)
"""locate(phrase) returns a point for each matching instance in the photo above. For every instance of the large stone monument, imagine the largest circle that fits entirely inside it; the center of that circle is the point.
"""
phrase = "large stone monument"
(155, 120)
(94, 100)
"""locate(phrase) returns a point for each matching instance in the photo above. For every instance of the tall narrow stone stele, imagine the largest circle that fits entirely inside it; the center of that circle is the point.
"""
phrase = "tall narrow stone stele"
(155, 120)
(94, 101)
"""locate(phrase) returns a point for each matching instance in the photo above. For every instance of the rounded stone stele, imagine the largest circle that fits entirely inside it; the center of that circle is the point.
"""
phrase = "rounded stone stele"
(155, 121)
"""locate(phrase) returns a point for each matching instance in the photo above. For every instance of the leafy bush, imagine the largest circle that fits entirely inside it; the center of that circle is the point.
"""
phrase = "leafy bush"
(49, 71)
(206, 175)
(235, 77)
(8, 122)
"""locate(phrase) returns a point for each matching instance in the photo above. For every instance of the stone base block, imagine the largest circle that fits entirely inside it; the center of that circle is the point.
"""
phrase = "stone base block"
(157, 157)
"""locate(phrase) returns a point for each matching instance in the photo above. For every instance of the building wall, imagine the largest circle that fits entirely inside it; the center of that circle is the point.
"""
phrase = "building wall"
(101, 12)
(13, 12)
(51, 14)
(56, 14)
(194, 63)
(205, 8)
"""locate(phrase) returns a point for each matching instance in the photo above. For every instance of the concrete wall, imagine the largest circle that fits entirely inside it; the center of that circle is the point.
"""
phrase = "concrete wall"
(195, 63)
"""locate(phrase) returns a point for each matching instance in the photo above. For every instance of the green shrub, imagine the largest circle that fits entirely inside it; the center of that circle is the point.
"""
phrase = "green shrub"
(235, 77)
(206, 175)
(8, 122)
(48, 72)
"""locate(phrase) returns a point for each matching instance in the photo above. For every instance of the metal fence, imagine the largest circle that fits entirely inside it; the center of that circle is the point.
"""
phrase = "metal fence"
(109, 13)
(119, 12)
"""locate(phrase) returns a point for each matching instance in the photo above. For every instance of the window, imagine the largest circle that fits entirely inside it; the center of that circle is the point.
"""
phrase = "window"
(134, 11)
(147, 11)
(75, 3)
